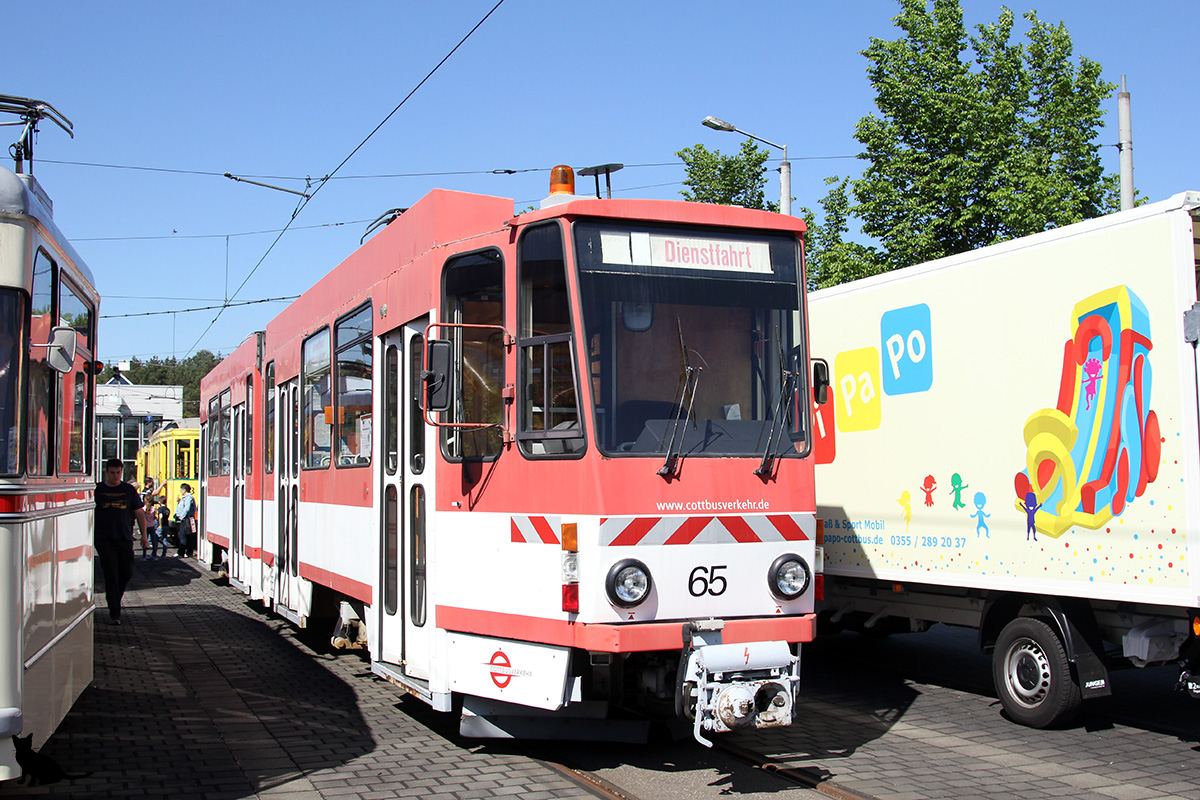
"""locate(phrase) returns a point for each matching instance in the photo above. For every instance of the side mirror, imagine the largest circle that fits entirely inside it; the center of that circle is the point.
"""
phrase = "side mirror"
(60, 354)
(821, 381)
(439, 378)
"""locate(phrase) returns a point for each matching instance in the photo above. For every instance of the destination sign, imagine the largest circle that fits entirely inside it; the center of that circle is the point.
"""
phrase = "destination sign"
(684, 252)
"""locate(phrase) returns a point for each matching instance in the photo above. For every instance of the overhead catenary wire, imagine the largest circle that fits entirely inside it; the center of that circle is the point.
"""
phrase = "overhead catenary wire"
(219, 235)
(389, 175)
(211, 173)
(303, 203)
(200, 308)
(166, 354)
(181, 236)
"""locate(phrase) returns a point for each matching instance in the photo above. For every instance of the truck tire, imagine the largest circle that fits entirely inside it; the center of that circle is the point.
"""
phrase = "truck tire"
(1033, 676)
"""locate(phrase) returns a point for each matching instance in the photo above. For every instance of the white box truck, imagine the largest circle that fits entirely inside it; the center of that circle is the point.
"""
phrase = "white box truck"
(1010, 444)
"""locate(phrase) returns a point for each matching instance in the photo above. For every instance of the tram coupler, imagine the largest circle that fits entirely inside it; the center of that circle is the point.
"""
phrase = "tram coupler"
(727, 687)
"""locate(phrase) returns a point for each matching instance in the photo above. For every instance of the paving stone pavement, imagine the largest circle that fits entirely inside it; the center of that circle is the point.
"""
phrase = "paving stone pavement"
(202, 695)
(199, 695)
(916, 716)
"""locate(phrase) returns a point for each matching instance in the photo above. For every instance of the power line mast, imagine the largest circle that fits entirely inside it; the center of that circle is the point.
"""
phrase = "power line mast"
(31, 112)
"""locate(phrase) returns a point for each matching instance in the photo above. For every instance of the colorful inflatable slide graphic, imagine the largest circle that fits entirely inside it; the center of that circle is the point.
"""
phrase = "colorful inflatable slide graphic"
(1101, 446)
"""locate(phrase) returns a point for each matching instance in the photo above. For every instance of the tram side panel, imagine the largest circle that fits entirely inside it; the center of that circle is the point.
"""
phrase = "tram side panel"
(56, 625)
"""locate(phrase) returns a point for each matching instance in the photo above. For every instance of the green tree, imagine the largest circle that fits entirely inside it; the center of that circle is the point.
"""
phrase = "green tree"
(965, 153)
(829, 258)
(736, 180)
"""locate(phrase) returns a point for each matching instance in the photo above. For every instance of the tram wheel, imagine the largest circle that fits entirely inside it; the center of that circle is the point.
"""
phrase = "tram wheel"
(1033, 675)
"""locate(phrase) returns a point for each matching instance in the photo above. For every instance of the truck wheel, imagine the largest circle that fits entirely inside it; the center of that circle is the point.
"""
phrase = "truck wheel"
(1033, 676)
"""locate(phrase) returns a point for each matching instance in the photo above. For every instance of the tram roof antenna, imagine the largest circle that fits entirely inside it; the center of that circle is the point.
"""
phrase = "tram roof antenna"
(602, 169)
(382, 221)
(31, 113)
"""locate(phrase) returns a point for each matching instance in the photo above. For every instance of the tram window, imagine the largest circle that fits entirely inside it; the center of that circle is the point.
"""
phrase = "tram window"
(75, 424)
(391, 555)
(213, 426)
(391, 409)
(269, 421)
(416, 420)
(315, 402)
(416, 553)
(352, 335)
(549, 412)
(187, 450)
(248, 441)
(74, 311)
(110, 437)
(75, 395)
(131, 431)
(474, 286)
(12, 317)
(659, 331)
(293, 544)
(226, 432)
(38, 442)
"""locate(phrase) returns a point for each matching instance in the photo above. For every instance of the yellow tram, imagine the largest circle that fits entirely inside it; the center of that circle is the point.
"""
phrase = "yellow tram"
(171, 458)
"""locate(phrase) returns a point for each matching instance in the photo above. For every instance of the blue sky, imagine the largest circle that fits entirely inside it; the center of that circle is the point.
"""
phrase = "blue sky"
(288, 90)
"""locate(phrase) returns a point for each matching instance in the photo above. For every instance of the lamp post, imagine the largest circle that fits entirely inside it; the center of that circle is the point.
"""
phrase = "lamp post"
(785, 167)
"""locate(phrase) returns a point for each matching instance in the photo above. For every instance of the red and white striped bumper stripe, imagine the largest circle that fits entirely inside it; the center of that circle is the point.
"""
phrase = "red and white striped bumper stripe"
(625, 531)
(535, 530)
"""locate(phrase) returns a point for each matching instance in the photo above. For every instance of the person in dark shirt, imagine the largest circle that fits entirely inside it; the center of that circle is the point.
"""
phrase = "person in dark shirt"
(118, 509)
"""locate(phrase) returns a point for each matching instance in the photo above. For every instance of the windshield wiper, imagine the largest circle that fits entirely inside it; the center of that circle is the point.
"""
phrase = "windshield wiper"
(685, 395)
(787, 384)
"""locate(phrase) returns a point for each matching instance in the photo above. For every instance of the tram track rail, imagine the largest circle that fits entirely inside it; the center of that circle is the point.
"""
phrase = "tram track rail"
(812, 778)
(584, 779)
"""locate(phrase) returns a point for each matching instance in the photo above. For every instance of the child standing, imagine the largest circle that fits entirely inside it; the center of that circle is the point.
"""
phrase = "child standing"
(162, 518)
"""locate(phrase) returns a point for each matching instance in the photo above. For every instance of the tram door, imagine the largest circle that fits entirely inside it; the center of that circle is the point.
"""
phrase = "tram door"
(237, 491)
(287, 490)
(406, 486)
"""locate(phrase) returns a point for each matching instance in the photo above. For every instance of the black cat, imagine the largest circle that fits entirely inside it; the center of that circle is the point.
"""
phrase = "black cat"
(37, 767)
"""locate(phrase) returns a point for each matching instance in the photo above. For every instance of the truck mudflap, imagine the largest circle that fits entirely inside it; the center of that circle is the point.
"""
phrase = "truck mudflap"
(727, 687)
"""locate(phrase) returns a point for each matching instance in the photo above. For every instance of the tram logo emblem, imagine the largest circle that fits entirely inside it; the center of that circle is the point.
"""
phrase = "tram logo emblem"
(502, 670)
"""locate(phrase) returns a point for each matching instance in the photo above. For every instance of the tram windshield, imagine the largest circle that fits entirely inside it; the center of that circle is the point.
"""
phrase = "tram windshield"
(691, 344)
(12, 314)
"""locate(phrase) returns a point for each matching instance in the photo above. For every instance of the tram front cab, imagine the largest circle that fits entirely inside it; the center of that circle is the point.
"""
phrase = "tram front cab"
(648, 412)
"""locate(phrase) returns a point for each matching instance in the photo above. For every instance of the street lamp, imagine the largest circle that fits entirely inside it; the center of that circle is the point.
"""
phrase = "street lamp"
(785, 167)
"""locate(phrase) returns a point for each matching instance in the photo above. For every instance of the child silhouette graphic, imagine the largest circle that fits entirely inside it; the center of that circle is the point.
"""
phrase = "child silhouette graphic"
(905, 501)
(927, 487)
(1031, 506)
(956, 489)
(980, 515)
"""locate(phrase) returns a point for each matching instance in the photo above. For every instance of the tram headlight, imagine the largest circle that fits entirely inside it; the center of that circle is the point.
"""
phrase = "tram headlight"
(789, 576)
(628, 583)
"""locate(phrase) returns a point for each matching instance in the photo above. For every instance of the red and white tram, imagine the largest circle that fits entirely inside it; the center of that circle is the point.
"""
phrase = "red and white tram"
(48, 304)
(554, 464)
